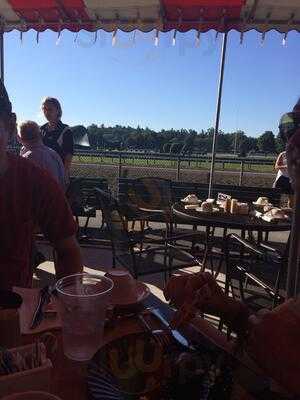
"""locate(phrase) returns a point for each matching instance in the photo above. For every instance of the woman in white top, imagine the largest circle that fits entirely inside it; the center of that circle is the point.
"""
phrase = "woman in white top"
(282, 180)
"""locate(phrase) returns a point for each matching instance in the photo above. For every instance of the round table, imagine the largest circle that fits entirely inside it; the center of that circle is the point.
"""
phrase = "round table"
(229, 221)
(68, 380)
(244, 223)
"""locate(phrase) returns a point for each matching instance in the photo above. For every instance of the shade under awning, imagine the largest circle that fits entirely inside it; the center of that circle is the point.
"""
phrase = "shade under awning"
(146, 15)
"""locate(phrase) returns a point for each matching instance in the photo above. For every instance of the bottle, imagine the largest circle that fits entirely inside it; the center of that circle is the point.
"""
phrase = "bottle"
(233, 206)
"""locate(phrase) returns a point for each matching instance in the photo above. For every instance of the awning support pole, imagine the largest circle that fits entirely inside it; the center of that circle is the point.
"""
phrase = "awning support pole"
(220, 89)
(2, 56)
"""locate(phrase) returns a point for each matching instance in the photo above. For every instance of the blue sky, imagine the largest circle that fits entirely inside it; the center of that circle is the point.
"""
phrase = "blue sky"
(135, 83)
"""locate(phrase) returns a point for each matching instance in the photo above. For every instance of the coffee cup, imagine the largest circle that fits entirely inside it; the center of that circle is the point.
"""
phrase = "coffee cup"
(125, 288)
(211, 201)
(207, 207)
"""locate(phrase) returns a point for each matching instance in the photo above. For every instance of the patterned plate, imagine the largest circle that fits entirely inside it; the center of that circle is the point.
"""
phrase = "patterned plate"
(127, 368)
(135, 367)
(102, 384)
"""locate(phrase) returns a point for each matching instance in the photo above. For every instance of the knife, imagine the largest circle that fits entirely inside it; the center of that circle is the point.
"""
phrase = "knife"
(44, 298)
(176, 335)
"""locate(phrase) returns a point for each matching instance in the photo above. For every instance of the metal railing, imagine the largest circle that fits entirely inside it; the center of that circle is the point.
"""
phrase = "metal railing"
(177, 163)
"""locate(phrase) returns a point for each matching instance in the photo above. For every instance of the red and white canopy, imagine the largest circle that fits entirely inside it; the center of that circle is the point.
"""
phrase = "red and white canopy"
(145, 15)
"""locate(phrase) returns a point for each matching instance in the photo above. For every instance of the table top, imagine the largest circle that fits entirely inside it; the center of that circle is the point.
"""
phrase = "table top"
(69, 377)
(224, 220)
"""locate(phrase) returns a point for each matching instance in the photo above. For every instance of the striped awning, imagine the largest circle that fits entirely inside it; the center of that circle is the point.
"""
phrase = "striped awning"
(146, 15)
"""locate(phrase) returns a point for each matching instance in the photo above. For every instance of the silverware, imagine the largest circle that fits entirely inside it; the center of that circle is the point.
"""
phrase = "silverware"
(160, 336)
(44, 299)
(174, 332)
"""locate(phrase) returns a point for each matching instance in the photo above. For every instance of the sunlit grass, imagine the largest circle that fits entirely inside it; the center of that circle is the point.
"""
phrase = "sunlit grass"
(173, 164)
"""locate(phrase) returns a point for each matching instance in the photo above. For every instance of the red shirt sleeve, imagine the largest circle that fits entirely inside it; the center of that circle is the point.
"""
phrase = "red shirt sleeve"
(53, 213)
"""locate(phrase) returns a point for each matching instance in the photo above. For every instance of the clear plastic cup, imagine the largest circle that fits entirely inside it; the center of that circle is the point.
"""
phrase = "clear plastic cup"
(83, 301)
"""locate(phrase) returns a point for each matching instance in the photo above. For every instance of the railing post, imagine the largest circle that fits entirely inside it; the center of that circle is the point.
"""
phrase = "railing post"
(241, 173)
(120, 166)
(178, 169)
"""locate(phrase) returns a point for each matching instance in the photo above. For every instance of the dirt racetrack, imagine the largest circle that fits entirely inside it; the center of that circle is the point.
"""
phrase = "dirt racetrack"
(111, 172)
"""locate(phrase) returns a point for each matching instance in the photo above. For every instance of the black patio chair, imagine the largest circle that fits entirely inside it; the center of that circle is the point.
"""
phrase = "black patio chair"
(129, 249)
(256, 275)
(79, 203)
(154, 197)
(218, 245)
(149, 200)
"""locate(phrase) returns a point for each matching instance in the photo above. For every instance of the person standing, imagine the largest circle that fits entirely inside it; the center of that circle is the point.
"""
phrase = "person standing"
(30, 197)
(289, 130)
(55, 134)
(282, 180)
(34, 150)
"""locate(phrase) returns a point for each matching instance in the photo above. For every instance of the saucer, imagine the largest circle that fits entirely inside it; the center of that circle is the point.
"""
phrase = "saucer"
(141, 293)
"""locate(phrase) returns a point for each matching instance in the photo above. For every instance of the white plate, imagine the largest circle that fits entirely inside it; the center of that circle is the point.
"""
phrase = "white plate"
(188, 202)
(262, 205)
(274, 219)
(215, 210)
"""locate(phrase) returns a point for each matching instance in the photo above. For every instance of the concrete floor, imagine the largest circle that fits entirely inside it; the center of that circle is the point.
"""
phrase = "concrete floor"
(98, 259)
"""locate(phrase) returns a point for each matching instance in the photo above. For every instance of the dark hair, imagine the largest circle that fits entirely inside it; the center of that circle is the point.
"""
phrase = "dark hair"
(55, 103)
(296, 108)
(288, 125)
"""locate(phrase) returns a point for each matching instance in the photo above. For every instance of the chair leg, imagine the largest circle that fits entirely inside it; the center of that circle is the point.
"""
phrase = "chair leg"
(102, 221)
(218, 269)
(133, 225)
(276, 287)
(204, 261)
(211, 259)
(86, 225)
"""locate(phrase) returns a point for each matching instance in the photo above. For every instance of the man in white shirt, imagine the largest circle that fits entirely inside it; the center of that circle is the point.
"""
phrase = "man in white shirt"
(44, 157)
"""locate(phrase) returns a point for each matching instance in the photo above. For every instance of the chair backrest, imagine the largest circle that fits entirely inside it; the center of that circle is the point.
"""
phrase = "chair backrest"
(74, 196)
(87, 189)
(120, 240)
(152, 193)
(181, 189)
(253, 273)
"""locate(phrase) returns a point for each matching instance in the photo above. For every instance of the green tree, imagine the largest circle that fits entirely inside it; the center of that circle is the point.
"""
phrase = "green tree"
(266, 142)
(280, 146)
(247, 144)
(189, 142)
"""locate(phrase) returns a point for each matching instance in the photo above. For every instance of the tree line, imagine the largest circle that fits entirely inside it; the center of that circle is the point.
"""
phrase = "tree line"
(183, 141)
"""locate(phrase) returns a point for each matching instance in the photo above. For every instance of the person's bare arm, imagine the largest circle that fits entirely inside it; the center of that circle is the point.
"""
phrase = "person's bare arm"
(68, 162)
(68, 257)
(68, 149)
(54, 216)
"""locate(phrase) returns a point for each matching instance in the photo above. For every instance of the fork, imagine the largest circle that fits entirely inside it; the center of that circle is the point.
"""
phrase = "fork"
(159, 335)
